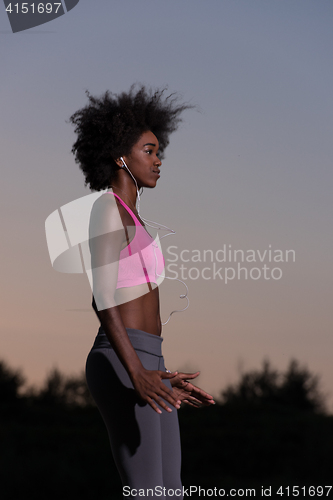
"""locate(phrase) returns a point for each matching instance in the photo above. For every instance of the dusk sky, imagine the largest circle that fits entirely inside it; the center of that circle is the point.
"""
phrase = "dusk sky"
(249, 169)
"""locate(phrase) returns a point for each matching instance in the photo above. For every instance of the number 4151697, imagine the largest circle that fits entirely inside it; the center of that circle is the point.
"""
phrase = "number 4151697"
(309, 491)
(39, 8)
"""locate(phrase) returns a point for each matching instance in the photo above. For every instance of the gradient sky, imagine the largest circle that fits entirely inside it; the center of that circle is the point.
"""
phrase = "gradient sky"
(250, 167)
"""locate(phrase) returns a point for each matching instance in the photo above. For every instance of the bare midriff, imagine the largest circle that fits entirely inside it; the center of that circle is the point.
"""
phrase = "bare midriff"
(142, 313)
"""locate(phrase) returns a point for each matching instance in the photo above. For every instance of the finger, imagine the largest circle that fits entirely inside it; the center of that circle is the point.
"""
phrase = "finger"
(170, 397)
(197, 390)
(167, 375)
(195, 405)
(184, 376)
(153, 405)
(199, 396)
(190, 375)
(168, 394)
(202, 395)
(162, 404)
(194, 400)
(203, 399)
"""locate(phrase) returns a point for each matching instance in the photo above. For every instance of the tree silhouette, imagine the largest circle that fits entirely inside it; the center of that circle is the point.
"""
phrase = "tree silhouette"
(270, 430)
(301, 389)
(10, 383)
(63, 390)
(297, 388)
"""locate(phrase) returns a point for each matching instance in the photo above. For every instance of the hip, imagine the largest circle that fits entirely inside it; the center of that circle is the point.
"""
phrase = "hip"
(103, 363)
(140, 340)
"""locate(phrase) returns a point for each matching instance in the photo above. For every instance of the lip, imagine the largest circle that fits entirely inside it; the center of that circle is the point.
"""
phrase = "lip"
(157, 172)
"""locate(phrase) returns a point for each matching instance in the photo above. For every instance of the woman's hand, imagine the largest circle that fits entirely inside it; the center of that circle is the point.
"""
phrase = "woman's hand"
(188, 393)
(149, 386)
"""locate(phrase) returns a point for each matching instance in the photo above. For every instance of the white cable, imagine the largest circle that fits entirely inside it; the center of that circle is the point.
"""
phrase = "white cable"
(158, 227)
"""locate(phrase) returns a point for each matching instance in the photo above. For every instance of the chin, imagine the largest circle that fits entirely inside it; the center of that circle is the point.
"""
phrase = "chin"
(150, 185)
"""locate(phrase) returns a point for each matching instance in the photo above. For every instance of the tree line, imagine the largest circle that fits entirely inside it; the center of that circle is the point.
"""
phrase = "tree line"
(270, 428)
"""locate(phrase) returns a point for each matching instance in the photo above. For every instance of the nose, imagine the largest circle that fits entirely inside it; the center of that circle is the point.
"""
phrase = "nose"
(158, 162)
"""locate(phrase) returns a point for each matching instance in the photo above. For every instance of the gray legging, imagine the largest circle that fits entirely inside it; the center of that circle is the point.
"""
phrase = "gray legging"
(145, 445)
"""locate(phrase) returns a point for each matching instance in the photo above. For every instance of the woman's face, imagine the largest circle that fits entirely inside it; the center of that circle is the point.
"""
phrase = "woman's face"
(143, 161)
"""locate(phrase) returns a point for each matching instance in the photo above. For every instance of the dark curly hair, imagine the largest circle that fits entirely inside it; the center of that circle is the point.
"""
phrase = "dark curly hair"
(109, 126)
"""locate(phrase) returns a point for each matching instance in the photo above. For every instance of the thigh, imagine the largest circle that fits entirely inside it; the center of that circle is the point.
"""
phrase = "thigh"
(171, 446)
(134, 427)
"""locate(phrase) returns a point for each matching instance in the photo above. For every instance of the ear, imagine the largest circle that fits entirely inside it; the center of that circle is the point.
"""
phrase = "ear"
(119, 162)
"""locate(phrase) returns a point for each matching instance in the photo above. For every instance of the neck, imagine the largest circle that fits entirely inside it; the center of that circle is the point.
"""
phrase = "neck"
(124, 186)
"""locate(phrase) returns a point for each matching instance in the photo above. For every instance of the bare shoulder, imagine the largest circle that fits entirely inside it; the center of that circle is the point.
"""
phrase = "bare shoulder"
(105, 216)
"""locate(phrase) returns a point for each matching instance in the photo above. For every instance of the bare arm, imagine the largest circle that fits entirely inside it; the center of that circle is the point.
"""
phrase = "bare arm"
(107, 236)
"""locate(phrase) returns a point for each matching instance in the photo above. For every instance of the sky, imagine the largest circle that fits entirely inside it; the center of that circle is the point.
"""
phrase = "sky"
(249, 169)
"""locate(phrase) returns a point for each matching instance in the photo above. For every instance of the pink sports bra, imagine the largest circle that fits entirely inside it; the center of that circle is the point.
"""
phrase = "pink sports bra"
(141, 261)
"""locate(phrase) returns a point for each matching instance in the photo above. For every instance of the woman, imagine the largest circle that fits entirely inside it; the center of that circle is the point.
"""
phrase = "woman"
(120, 142)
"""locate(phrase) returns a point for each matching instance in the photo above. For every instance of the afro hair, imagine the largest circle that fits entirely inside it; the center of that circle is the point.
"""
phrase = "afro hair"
(109, 126)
